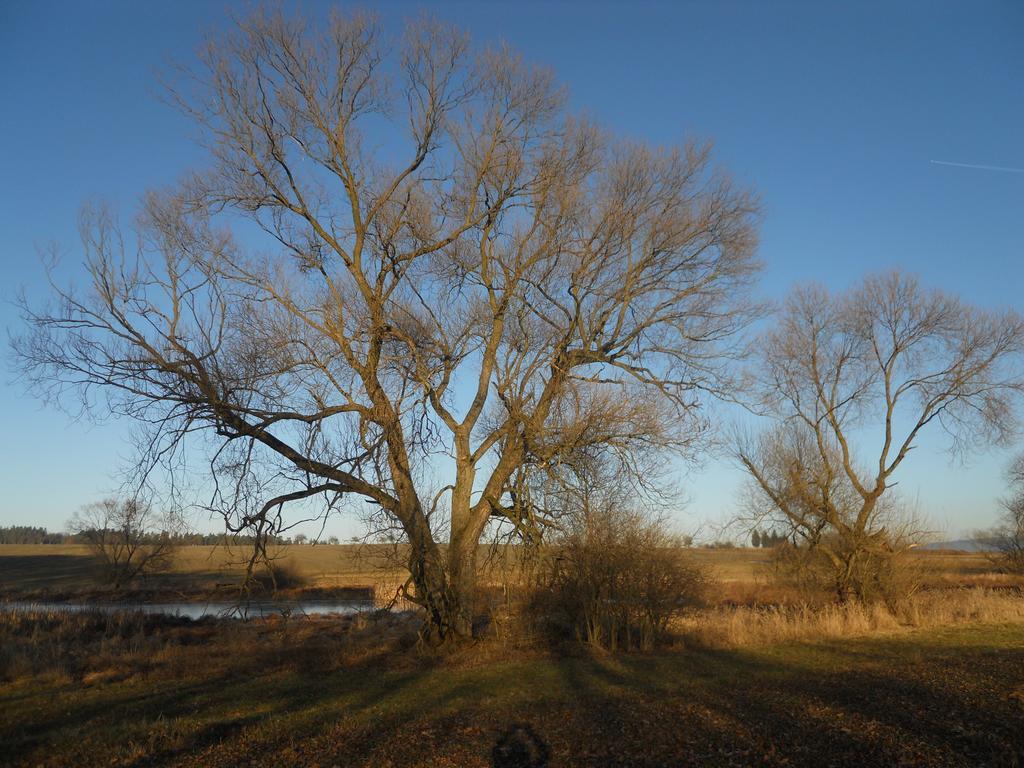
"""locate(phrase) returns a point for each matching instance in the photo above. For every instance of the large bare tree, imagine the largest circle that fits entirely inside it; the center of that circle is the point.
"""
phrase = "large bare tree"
(852, 381)
(455, 276)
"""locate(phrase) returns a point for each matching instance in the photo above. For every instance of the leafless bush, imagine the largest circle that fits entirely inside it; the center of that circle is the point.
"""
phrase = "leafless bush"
(1008, 537)
(615, 580)
(1009, 542)
(277, 575)
(130, 538)
(882, 574)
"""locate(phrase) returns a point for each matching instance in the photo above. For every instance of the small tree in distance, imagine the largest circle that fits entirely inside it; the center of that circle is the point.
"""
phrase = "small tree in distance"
(772, 538)
(130, 539)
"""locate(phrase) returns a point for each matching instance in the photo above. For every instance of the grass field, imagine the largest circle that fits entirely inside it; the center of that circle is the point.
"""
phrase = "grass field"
(741, 572)
(269, 695)
(70, 568)
(936, 681)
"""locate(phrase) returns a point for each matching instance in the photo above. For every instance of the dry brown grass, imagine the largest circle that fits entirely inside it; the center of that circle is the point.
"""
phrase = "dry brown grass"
(199, 570)
(742, 576)
(96, 647)
(127, 689)
(91, 647)
(758, 625)
(344, 564)
(262, 698)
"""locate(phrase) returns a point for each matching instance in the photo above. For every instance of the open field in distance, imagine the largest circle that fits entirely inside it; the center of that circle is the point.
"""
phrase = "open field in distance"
(743, 574)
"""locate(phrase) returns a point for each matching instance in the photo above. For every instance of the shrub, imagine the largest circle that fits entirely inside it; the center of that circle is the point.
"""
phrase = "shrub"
(130, 538)
(1008, 538)
(615, 580)
(882, 574)
(277, 575)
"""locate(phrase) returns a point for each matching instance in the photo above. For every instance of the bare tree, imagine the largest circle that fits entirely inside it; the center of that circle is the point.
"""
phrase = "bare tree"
(518, 289)
(128, 536)
(1008, 537)
(852, 381)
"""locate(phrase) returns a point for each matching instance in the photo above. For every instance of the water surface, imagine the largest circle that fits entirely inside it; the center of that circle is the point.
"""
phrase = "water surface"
(198, 610)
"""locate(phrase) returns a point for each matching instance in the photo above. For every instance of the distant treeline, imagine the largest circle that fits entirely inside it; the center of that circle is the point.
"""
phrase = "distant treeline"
(767, 538)
(27, 534)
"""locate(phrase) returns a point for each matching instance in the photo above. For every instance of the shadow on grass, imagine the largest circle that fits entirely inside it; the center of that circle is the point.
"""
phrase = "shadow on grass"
(33, 572)
(67, 576)
(911, 702)
(737, 708)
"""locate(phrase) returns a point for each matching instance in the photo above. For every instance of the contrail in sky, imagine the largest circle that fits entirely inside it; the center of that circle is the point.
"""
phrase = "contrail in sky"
(979, 167)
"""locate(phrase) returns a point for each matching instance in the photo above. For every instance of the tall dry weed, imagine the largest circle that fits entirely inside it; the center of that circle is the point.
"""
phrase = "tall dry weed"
(739, 626)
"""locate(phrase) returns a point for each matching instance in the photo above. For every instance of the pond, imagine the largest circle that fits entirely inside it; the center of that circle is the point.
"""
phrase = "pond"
(198, 610)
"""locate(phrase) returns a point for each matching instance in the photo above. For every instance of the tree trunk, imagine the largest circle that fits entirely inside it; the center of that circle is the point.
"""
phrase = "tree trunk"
(427, 569)
(462, 583)
(845, 580)
(446, 594)
(467, 525)
(445, 585)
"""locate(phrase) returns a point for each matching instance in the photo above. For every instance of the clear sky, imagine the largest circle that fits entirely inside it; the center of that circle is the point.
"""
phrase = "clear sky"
(832, 111)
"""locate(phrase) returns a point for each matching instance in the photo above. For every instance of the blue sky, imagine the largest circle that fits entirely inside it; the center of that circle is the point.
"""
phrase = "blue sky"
(832, 111)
